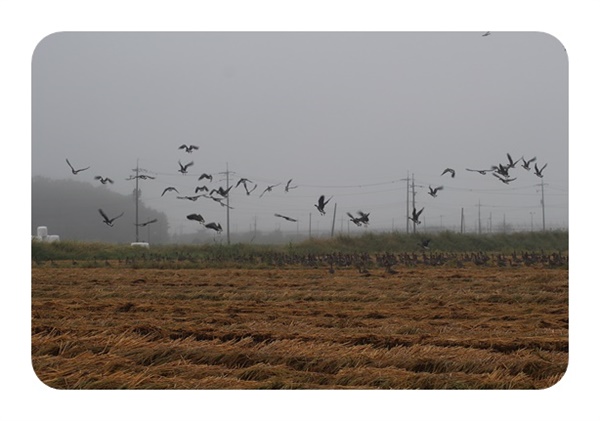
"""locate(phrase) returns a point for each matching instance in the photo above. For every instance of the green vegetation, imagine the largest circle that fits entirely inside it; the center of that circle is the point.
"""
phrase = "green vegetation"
(549, 241)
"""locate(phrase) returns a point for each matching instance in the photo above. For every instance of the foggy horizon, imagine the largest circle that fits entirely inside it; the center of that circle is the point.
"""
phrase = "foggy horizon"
(345, 115)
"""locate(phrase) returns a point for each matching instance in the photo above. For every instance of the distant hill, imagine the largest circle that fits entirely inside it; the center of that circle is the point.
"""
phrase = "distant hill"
(70, 209)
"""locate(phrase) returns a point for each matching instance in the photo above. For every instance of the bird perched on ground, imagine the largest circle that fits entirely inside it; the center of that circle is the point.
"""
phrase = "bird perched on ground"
(288, 187)
(525, 163)
(103, 180)
(538, 171)
(482, 172)
(188, 149)
(433, 192)
(505, 180)
(287, 218)
(195, 217)
(321, 204)
(449, 170)
(214, 226)
(143, 224)
(415, 215)
(109, 221)
(169, 189)
(204, 175)
(269, 188)
(73, 170)
(183, 168)
(425, 243)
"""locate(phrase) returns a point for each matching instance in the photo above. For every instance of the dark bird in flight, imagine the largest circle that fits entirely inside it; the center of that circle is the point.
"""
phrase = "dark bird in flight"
(538, 171)
(243, 181)
(415, 216)
(103, 180)
(425, 243)
(183, 168)
(73, 170)
(195, 217)
(204, 175)
(511, 163)
(486, 34)
(192, 198)
(203, 188)
(364, 217)
(433, 192)
(141, 177)
(287, 218)
(321, 204)
(482, 172)
(251, 190)
(505, 180)
(360, 220)
(169, 189)
(526, 164)
(501, 170)
(269, 188)
(221, 191)
(214, 226)
(188, 149)
(143, 224)
(449, 170)
(108, 221)
(288, 187)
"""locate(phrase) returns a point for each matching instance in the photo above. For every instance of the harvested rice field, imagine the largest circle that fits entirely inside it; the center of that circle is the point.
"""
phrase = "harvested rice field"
(299, 328)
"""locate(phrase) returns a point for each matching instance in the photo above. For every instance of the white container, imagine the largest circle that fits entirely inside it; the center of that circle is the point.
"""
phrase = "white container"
(140, 244)
(42, 231)
(52, 239)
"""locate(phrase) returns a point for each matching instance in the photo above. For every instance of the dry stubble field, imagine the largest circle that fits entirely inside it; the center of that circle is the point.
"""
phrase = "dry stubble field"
(420, 328)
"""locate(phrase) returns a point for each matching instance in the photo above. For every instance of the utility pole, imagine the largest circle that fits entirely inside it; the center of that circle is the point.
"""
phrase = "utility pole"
(407, 199)
(333, 221)
(227, 202)
(137, 200)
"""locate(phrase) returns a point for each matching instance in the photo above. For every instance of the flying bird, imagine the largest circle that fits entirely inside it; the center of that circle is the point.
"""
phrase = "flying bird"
(433, 192)
(287, 218)
(269, 188)
(505, 180)
(243, 181)
(482, 172)
(214, 226)
(188, 149)
(169, 189)
(195, 217)
(103, 180)
(73, 170)
(538, 171)
(512, 164)
(355, 220)
(486, 34)
(108, 221)
(501, 170)
(449, 170)
(183, 168)
(321, 204)
(250, 191)
(204, 175)
(192, 198)
(141, 177)
(143, 224)
(415, 216)
(525, 163)
(425, 243)
(364, 217)
(221, 191)
(288, 187)
(203, 188)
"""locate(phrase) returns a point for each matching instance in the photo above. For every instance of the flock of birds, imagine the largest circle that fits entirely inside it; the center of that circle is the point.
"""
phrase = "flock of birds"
(502, 172)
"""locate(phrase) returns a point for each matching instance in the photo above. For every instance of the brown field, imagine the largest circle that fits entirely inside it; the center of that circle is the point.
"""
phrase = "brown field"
(420, 328)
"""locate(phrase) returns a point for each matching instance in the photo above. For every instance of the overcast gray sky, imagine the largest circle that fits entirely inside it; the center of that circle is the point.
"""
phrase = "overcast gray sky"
(347, 115)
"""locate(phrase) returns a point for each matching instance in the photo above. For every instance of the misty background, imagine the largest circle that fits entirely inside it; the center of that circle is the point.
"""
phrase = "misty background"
(345, 114)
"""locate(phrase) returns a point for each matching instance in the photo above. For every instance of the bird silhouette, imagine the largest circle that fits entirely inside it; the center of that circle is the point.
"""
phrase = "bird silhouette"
(214, 226)
(433, 192)
(143, 224)
(486, 34)
(425, 243)
(195, 217)
(242, 181)
(321, 204)
(221, 191)
(449, 170)
(287, 218)
(538, 171)
(169, 189)
(141, 177)
(103, 180)
(511, 163)
(268, 189)
(73, 170)
(356, 221)
(288, 187)
(505, 180)
(364, 217)
(482, 172)
(415, 215)
(251, 190)
(203, 188)
(183, 168)
(188, 149)
(204, 175)
(192, 198)
(109, 221)
(526, 164)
